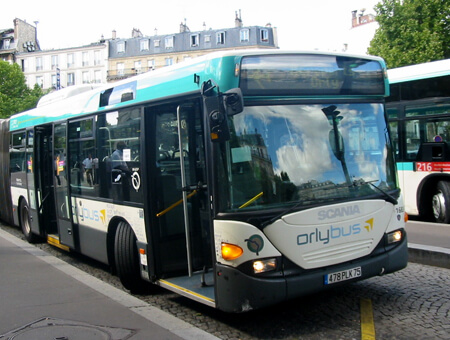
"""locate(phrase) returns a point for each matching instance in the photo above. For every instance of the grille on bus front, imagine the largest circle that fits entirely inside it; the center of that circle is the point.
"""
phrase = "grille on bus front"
(343, 250)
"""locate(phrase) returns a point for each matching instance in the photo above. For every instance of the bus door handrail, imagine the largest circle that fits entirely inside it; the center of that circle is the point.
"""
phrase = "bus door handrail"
(183, 185)
(176, 204)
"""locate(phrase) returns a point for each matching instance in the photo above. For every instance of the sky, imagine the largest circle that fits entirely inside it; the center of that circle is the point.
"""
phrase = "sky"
(301, 24)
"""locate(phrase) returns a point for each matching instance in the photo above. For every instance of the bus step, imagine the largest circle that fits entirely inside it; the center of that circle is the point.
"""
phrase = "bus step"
(54, 241)
(193, 287)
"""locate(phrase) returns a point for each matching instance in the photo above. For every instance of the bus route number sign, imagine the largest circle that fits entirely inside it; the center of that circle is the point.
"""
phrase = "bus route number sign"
(433, 166)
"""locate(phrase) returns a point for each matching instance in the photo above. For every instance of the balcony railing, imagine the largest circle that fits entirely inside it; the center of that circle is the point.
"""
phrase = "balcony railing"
(126, 73)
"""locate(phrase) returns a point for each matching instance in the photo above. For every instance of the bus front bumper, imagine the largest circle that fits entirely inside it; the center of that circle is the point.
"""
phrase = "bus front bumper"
(238, 292)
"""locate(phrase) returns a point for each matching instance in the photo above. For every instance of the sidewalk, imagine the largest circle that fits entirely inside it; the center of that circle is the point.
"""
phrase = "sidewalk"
(43, 297)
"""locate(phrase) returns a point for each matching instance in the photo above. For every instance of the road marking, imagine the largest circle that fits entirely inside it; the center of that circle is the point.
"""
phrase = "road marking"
(367, 325)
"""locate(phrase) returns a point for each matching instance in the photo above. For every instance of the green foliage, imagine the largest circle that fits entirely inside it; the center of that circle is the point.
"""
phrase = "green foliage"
(15, 96)
(412, 31)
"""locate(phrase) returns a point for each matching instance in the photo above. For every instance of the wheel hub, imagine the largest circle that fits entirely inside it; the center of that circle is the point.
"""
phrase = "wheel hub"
(438, 204)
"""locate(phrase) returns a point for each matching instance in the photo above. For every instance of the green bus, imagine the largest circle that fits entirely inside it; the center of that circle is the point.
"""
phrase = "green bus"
(239, 179)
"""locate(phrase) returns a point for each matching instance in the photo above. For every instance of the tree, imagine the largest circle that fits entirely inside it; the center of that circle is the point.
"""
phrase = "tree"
(15, 96)
(412, 31)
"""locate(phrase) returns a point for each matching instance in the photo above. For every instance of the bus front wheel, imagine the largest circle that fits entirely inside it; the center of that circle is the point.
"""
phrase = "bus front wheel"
(441, 202)
(127, 260)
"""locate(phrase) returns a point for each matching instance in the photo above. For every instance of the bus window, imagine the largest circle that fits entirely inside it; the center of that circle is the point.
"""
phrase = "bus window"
(393, 126)
(17, 163)
(60, 152)
(427, 109)
(81, 147)
(119, 155)
(412, 131)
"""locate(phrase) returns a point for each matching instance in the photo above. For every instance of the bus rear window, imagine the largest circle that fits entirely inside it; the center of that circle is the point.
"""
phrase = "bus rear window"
(311, 75)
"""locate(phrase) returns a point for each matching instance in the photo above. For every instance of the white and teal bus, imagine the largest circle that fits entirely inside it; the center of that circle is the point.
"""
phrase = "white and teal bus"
(239, 179)
(419, 117)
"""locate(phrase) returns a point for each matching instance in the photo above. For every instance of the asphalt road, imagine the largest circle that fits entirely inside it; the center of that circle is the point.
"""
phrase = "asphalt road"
(429, 234)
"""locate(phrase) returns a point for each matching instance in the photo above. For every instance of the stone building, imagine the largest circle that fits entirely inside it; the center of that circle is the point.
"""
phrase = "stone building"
(138, 54)
(112, 59)
(21, 38)
(56, 69)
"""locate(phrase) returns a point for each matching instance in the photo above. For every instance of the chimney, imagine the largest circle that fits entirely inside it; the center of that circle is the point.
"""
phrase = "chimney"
(114, 35)
(238, 20)
(354, 19)
(136, 33)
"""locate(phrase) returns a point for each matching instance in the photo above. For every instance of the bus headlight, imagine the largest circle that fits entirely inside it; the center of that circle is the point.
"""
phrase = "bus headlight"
(395, 236)
(262, 266)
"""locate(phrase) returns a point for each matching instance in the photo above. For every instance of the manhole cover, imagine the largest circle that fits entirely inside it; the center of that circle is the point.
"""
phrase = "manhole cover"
(57, 329)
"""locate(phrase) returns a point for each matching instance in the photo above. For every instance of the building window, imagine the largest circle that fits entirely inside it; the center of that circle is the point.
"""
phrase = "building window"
(40, 81)
(168, 42)
(207, 38)
(6, 44)
(151, 64)
(244, 35)
(39, 64)
(144, 45)
(24, 65)
(70, 79)
(121, 47)
(85, 76)
(85, 57)
(194, 40)
(70, 60)
(55, 62)
(169, 61)
(264, 35)
(54, 80)
(98, 77)
(156, 43)
(220, 38)
(97, 58)
(138, 66)
(120, 69)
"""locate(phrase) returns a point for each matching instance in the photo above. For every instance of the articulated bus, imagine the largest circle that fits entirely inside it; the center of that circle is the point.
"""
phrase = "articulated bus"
(418, 109)
(240, 179)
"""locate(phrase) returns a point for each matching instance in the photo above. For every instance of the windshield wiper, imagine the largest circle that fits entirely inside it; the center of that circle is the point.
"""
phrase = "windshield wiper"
(285, 212)
(333, 186)
(388, 197)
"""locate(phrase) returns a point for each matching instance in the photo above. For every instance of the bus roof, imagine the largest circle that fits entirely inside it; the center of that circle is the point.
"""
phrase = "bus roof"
(67, 92)
(182, 78)
(420, 71)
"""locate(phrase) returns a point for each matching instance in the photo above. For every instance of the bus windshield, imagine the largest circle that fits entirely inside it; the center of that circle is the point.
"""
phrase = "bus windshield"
(307, 154)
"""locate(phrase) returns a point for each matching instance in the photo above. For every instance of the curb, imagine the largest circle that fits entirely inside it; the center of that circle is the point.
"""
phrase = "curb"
(428, 255)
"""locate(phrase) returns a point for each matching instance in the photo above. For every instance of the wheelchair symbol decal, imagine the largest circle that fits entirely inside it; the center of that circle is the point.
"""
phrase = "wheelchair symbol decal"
(136, 181)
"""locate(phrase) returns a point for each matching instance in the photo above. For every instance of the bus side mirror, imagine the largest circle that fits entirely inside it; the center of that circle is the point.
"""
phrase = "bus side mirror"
(233, 101)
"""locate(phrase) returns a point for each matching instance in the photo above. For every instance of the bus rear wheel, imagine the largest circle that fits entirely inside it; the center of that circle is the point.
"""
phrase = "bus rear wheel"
(25, 223)
(127, 260)
(441, 202)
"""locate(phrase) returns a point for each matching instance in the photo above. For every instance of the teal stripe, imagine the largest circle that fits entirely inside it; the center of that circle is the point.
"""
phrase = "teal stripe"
(405, 166)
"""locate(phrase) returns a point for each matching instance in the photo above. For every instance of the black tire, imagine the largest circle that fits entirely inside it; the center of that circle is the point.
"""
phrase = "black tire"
(127, 259)
(25, 224)
(441, 202)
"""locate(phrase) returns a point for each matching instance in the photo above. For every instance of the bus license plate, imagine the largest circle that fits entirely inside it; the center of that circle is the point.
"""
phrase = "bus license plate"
(342, 275)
